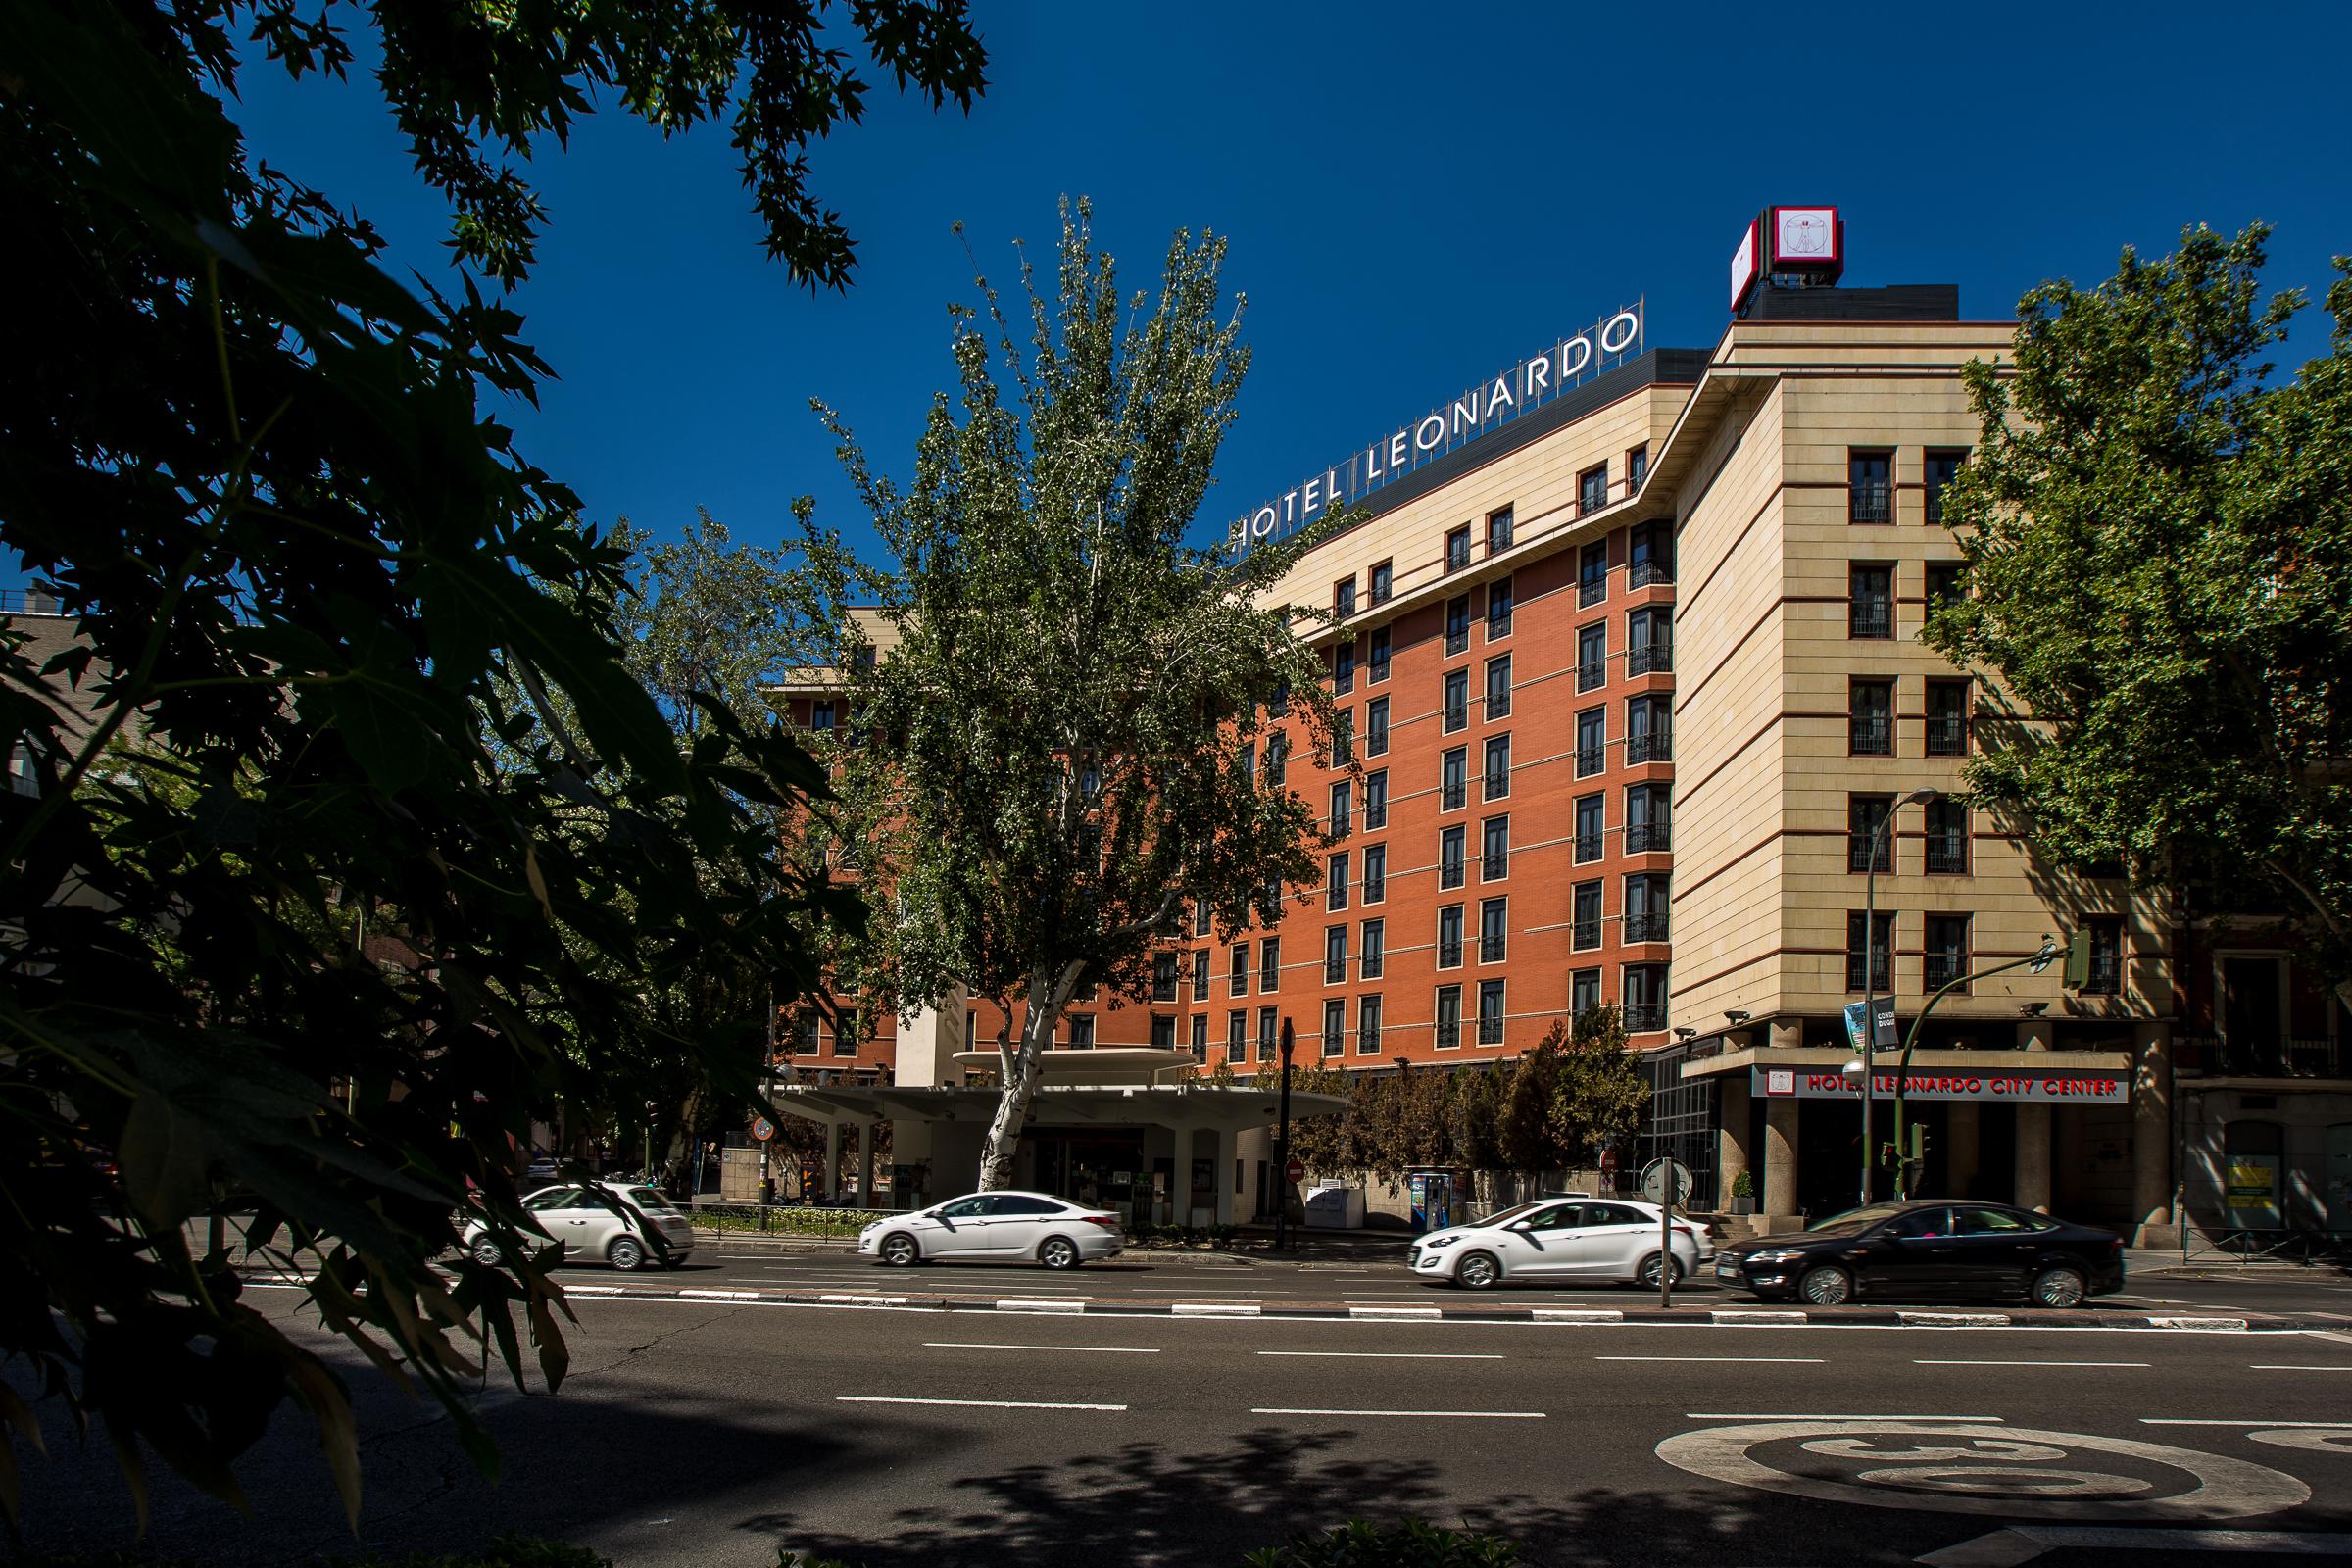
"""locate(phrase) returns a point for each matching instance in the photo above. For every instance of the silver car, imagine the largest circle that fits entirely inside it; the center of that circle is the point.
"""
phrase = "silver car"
(611, 1220)
(996, 1226)
(1559, 1240)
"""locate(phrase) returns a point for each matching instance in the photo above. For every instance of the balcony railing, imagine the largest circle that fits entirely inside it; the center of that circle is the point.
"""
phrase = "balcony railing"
(1450, 952)
(1644, 1017)
(1940, 969)
(1591, 591)
(2266, 1059)
(1588, 847)
(1450, 1033)
(1883, 982)
(1379, 668)
(1869, 617)
(1641, 574)
(1657, 745)
(1489, 1028)
(1494, 868)
(1457, 639)
(1590, 760)
(1490, 950)
(1335, 969)
(1641, 838)
(1453, 795)
(1586, 934)
(1948, 737)
(1645, 926)
(1496, 785)
(1591, 674)
(1870, 501)
(1457, 553)
(1450, 873)
(1498, 703)
(1947, 855)
(1457, 716)
(1376, 814)
(1376, 887)
(1935, 503)
(1869, 737)
(1857, 852)
(2106, 974)
(1369, 965)
(1654, 658)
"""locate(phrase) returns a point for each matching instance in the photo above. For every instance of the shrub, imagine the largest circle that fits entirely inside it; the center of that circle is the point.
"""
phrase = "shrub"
(1414, 1543)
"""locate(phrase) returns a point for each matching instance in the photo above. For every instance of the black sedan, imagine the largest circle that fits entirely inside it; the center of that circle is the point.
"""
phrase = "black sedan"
(1937, 1249)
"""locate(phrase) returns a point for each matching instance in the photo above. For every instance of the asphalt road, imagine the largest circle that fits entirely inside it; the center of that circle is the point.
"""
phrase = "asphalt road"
(709, 1432)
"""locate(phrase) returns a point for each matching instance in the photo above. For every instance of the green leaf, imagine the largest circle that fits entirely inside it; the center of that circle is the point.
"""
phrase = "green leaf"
(164, 1157)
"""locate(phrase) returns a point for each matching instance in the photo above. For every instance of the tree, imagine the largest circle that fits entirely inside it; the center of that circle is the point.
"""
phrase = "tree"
(1599, 1094)
(1066, 724)
(305, 563)
(1527, 1129)
(2158, 546)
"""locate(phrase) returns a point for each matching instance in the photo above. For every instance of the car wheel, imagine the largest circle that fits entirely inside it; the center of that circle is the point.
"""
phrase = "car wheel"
(1828, 1286)
(1648, 1273)
(1478, 1271)
(486, 1252)
(626, 1254)
(2059, 1287)
(1059, 1252)
(899, 1251)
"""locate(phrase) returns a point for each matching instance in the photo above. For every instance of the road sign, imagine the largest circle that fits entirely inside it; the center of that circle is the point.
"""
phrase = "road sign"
(1295, 1170)
(762, 1129)
(1653, 1181)
(1608, 1160)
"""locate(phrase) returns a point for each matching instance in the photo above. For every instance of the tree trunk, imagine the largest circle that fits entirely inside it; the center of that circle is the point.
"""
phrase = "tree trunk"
(1021, 1068)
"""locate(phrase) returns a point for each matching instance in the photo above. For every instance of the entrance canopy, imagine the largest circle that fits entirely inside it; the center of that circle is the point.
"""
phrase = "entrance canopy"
(1225, 1107)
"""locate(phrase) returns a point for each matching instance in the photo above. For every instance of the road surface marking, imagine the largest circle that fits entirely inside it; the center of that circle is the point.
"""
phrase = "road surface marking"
(1450, 1415)
(1808, 1360)
(1215, 1309)
(1953, 1320)
(1211, 1290)
(1395, 1356)
(719, 1295)
(975, 1404)
(1091, 1350)
(2221, 1324)
(2199, 1421)
(865, 1301)
(2268, 1366)
(2023, 1543)
(1578, 1314)
(1396, 1314)
(1725, 1316)
(1032, 1303)
(1767, 1416)
(1987, 1361)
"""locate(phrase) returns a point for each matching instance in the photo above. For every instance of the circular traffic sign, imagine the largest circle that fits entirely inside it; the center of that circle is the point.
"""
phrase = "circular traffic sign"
(764, 1129)
(1653, 1181)
(1608, 1160)
(1295, 1170)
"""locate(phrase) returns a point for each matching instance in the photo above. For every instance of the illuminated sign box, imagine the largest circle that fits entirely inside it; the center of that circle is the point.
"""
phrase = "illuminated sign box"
(1943, 1083)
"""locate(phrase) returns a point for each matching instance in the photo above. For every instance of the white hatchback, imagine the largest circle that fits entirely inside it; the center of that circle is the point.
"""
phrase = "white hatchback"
(614, 1221)
(1559, 1239)
(996, 1226)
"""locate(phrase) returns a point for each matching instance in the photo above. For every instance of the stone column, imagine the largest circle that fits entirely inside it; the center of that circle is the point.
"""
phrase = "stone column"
(2034, 1130)
(865, 1165)
(1224, 1175)
(1180, 1185)
(2151, 1126)
(831, 1179)
(1780, 1159)
(1963, 1134)
(1730, 1134)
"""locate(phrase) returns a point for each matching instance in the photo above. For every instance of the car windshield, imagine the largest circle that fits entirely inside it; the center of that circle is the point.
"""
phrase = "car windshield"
(1854, 1219)
(652, 1199)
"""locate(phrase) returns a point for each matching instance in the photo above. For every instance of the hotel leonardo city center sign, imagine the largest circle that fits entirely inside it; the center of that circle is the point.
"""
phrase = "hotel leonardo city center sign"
(1521, 386)
(1943, 1083)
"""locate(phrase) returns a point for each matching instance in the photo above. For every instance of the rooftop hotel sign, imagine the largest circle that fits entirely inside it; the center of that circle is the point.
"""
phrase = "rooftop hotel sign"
(1516, 389)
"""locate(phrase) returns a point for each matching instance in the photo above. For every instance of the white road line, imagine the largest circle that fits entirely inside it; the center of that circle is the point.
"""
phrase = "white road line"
(1090, 1349)
(1215, 1309)
(1449, 1415)
(2273, 1366)
(1578, 1314)
(1396, 1314)
(1210, 1289)
(1394, 1355)
(2198, 1421)
(1031, 1303)
(975, 1404)
(1806, 1360)
(1924, 1361)
(1810, 1415)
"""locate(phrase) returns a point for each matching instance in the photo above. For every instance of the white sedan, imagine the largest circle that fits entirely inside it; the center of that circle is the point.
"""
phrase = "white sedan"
(1559, 1239)
(996, 1226)
(615, 1221)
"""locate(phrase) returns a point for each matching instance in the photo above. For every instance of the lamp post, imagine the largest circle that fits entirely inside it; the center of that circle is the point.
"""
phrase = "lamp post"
(1282, 1154)
(2036, 960)
(1870, 967)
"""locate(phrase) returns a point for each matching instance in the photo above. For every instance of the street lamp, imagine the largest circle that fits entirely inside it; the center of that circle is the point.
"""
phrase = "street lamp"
(1870, 966)
(2036, 960)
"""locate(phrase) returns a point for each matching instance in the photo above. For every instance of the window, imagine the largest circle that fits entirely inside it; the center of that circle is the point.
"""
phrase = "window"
(1945, 957)
(1237, 1036)
(1648, 730)
(1376, 799)
(1592, 574)
(1500, 604)
(1343, 737)
(1163, 977)
(1644, 997)
(1342, 597)
(1592, 489)
(1495, 848)
(1947, 582)
(972, 1030)
(1335, 954)
(845, 1042)
(1947, 837)
(1947, 719)
(1865, 815)
(1636, 467)
(1943, 468)
(1458, 548)
(1278, 705)
(1334, 1027)
(1367, 1026)
(820, 717)
(803, 1035)
(1457, 624)
(1458, 701)
(1237, 970)
(1870, 603)
(1645, 908)
(2106, 956)
(1499, 687)
(1200, 1038)
(1201, 967)
(1270, 964)
(1591, 741)
(1649, 819)
(1343, 808)
(1277, 760)
(1489, 1012)
(1653, 558)
(1163, 1032)
(1376, 727)
(1334, 885)
(1586, 929)
(1454, 784)
(1869, 487)
(1375, 872)
(1202, 914)
(1343, 668)
(1584, 991)
(1449, 936)
(1493, 929)
(1269, 1032)
(1592, 823)
(1869, 719)
(1498, 531)
(1882, 952)
(1449, 1017)
(1592, 656)
(1374, 954)
(1378, 660)
(1498, 774)
(1449, 858)
(1384, 582)
(1649, 641)
(1082, 1031)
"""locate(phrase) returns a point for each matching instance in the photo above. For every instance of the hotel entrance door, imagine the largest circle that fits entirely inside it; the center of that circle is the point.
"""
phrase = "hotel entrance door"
(1103, 1168)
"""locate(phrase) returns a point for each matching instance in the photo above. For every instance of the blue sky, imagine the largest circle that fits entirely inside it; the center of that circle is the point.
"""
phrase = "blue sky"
(1415, 195)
